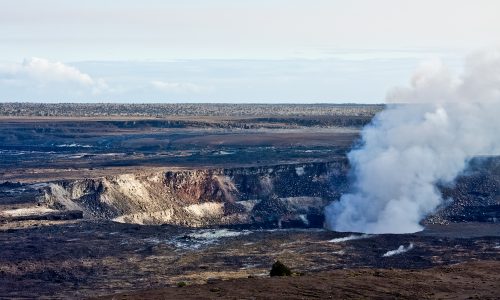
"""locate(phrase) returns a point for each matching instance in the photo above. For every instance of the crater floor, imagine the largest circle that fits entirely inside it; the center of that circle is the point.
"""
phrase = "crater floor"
(83, 258)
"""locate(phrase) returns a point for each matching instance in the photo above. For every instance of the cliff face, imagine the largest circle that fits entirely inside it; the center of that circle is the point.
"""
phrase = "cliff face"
(280, 195)
(284, 195)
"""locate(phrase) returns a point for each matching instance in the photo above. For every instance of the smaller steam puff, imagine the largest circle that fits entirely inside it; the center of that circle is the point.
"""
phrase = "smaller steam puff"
(400, 250)
(350, 238)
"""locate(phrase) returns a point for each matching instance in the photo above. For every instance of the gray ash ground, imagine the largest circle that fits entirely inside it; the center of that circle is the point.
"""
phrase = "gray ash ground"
(83, 258)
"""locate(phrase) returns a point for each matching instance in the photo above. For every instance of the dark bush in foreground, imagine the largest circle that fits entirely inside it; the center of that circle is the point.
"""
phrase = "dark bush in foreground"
(279, 269)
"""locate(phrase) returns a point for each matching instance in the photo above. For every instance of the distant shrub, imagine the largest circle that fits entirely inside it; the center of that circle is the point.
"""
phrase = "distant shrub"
(279, 269)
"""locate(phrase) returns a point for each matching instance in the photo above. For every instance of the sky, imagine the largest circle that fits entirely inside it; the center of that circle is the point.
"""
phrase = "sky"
(267, 51)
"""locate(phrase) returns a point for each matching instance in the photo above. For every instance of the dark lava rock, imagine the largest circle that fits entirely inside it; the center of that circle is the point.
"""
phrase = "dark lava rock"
(56, 215)
(10, 185)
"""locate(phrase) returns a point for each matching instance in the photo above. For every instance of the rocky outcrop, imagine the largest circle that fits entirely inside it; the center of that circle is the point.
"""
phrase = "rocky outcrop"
(281, 195)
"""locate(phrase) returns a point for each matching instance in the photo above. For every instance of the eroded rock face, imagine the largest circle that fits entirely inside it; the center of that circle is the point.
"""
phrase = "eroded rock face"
(291, 195)
(281, 195)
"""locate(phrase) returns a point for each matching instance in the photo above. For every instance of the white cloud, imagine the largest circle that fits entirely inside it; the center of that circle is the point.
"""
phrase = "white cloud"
(44, 74)
(44, 70)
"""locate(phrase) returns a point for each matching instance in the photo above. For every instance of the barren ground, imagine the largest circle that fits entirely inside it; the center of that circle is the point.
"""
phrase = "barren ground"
(79, 258)
(472, 280)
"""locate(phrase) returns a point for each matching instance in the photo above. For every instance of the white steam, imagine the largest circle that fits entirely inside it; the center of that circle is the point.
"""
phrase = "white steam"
(401, 249)
(408, 148)
(350, 238)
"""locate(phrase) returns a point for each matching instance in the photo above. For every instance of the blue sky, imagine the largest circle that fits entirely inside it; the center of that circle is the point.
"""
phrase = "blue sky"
(231, 51)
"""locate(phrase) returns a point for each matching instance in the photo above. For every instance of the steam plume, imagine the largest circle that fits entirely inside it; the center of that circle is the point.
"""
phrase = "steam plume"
(401, 249)
(408, 148)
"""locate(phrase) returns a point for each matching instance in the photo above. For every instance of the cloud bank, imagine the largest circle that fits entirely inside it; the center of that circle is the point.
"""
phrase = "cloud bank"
(207, 80)
(409, 148)
(46, 76)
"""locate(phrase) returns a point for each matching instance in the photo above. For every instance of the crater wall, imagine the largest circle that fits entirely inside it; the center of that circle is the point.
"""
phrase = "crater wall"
(290, 194)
